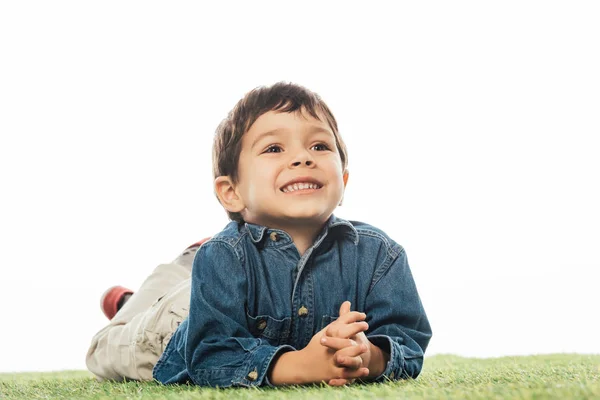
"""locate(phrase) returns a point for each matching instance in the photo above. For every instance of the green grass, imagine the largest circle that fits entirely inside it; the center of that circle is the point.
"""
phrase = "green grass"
(559, 376)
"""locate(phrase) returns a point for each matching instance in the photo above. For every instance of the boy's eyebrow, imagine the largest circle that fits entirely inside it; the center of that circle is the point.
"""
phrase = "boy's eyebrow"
(277, 131)
(273, 132)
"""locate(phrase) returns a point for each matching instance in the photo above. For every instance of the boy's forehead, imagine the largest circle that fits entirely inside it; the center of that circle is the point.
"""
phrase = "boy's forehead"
(281, 121)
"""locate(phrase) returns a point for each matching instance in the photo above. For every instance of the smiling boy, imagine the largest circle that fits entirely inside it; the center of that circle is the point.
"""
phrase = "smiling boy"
(270, 295)
(290, 176)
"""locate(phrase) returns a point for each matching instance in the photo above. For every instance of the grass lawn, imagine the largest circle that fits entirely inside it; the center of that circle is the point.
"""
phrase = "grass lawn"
(559, 376)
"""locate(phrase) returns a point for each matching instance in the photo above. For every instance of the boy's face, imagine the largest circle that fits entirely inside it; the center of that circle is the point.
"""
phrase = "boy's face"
(290, 171)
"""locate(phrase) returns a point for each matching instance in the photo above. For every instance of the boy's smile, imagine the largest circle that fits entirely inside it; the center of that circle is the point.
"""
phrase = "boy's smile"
(302, 185)
(290, 171)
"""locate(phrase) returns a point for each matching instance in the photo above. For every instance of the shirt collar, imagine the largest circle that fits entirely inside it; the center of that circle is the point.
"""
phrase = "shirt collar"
(333, 224)
(343, 226)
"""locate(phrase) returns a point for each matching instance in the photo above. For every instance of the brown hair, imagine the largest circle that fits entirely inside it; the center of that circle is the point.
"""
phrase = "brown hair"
(282, 97)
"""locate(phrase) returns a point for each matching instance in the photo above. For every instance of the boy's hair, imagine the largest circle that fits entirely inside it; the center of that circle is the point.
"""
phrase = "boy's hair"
(281, 97)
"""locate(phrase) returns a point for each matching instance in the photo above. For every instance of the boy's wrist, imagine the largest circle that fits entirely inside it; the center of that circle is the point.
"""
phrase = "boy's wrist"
(378, 362)
(288, 369)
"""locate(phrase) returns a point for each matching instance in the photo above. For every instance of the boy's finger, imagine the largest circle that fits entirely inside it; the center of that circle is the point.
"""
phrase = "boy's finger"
(345, 307)
(348, 362)
(351, 316)
(340, 382)
(346, 331)
(348, 318)
(336, 343)
(351, 351)
(346, 373)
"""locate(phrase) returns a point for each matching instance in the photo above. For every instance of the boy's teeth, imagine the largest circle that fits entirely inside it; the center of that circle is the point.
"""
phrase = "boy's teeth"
(300, 186)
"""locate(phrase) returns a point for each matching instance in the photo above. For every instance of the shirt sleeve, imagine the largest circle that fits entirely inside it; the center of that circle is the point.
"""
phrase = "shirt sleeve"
(397, 321)
(220, 350)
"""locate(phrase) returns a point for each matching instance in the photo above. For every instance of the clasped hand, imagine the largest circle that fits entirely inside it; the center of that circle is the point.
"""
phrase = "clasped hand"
(344, 346)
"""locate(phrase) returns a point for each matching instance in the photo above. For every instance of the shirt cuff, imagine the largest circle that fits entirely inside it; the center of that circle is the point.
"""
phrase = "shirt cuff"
(255, 370)
(395, 366)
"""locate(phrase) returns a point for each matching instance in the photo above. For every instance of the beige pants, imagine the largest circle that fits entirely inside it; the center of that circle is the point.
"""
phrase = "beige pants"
(131, 344)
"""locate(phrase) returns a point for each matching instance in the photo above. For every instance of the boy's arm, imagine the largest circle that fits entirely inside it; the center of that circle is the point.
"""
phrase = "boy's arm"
(398, 325)
(219, 348)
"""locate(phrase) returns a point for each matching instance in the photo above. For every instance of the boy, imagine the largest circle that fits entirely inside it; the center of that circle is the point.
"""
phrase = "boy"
(270, 296)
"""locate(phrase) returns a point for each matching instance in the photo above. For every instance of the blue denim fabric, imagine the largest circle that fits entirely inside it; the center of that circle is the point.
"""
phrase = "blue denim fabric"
(249, 284)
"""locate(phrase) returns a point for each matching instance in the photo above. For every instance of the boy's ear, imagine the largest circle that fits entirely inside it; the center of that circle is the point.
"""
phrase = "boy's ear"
(345, 177)
(227, 194)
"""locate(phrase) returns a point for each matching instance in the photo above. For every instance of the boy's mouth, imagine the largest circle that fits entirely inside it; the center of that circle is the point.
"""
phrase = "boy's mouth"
(299, 186)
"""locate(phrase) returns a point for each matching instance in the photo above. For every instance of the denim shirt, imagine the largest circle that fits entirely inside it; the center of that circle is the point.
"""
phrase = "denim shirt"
(254, 297)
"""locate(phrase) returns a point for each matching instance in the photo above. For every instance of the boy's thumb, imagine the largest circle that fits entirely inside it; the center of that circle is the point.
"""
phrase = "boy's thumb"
(345, 307)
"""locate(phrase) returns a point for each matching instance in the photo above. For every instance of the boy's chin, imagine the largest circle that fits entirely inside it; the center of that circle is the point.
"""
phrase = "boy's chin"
(305, 216)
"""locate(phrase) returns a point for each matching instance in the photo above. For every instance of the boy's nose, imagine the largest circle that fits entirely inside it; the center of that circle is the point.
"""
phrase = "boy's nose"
(303, 157)
(298, 163)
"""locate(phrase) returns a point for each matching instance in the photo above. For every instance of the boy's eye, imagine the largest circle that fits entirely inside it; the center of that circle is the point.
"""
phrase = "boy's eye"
(273, 149)
(321, 147)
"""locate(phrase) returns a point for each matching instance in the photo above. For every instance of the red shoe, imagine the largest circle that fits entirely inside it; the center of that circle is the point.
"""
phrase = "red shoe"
(109, 302)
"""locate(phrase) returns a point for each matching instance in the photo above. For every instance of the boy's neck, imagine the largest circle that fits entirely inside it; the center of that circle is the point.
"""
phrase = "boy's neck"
(303, 237)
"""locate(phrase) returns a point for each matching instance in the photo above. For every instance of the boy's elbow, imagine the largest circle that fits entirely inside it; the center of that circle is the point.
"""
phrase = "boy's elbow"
(412, 368)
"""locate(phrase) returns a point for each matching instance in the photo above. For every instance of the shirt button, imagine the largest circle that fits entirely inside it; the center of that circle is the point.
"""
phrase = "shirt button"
(303, 311)
(253, 375)
(262, 324)
(274, 236)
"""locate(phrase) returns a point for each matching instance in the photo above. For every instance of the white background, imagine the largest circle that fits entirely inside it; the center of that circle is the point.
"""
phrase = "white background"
(472, 131)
